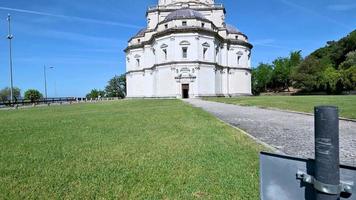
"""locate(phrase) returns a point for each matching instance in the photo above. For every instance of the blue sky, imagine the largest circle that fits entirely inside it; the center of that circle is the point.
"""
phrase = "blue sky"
(84, 39)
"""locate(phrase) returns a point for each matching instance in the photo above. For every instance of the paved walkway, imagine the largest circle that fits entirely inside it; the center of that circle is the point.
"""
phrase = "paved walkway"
(290, 133)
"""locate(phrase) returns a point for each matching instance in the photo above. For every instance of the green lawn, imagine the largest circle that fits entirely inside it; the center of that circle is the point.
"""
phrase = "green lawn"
(140, 149)
(346, 104)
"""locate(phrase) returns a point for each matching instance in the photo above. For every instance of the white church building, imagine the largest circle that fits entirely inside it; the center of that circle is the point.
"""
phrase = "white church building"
(187, 51)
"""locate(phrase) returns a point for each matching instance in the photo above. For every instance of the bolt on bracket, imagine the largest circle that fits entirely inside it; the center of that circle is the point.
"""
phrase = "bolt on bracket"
(343, 187)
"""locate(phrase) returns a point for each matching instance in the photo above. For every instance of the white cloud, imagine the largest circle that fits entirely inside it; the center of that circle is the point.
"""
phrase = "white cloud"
(267, 43)
(310, 11)
(81, 19)
(342, 7)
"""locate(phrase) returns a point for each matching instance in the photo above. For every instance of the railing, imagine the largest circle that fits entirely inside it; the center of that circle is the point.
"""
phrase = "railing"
(24, 102)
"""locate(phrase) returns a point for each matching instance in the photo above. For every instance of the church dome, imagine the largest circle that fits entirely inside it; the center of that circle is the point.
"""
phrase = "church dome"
(185, 14)
(232, 30)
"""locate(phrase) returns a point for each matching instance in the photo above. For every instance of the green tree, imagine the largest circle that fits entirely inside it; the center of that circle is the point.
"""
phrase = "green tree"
(348, 78)
(5, 94)
(331, 79)
(350, 60)
(33, 95)
(336, 51)
(283, 70)
(352, 74)
(308, 75)
(94, 94)
(295, 59)
(281, 74)
(261, 78)
(116, 87)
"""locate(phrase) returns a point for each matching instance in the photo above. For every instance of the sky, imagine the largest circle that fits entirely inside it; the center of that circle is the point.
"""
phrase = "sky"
(83, 40)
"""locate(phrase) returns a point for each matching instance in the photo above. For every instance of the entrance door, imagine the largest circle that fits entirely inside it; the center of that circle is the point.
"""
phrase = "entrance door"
(185, 91)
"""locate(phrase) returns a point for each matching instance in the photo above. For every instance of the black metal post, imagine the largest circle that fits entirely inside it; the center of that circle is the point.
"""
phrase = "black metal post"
(327, 160)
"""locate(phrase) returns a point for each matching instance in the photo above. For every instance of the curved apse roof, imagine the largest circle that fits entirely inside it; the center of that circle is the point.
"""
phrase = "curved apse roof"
(141, 33)
(184, 14)
(232, 29)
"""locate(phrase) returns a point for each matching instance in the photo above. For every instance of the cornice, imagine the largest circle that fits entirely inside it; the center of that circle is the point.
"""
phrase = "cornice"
(187, 62)
(188, 30)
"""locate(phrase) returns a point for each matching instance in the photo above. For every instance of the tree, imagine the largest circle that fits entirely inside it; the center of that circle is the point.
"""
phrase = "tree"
(94, 94)
(281, 73)
(308, 75)
(348, 78)
(283, 70)
(336, 51)
(116, 87)
(331, 80)
(261, 78)
(33, 95)
(5, 94)
(350, 60)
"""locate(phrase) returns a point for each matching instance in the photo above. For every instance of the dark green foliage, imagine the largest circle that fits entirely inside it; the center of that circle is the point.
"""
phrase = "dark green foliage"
(261, 78)
(281, 74)
(277, 76)
(349, 61)
(336, 51)
(331, 69)
(33, 95)
(308, 75)
(116, 87)
(94, 94)
(5, 94)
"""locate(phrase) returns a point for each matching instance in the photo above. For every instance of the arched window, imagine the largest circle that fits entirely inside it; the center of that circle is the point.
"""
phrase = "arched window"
(185, 52)
(165, 51)
(184, 45)
(205, 49)
(239, 56)
(138, 60)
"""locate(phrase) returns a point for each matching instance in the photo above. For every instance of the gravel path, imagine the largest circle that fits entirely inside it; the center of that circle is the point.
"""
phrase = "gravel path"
(290, 133)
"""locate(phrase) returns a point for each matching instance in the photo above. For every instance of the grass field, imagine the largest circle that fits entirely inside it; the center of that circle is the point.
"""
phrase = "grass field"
(346, 104)
(143, 149)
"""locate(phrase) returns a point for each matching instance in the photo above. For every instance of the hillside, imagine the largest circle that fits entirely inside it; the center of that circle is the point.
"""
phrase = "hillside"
(337, 51)
(330, 69)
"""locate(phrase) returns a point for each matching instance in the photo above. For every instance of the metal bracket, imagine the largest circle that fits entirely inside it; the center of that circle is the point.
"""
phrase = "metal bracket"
(343, 187)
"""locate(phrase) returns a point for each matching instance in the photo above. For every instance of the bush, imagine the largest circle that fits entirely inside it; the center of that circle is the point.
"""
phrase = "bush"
(33, 95)
(5, 94)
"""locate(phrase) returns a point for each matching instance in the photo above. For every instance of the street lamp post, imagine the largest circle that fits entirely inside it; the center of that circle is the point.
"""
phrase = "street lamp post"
(10, 37)
(45, 78)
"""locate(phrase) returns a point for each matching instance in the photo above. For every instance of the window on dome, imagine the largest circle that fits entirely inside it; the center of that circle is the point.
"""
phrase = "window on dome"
(166, 26)
(138, 62)
(184, 23)
(237, 37)
(165, 53)
(138, 40)
(202, 25)
(204, 52)
(184, 52)
(238, 59)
